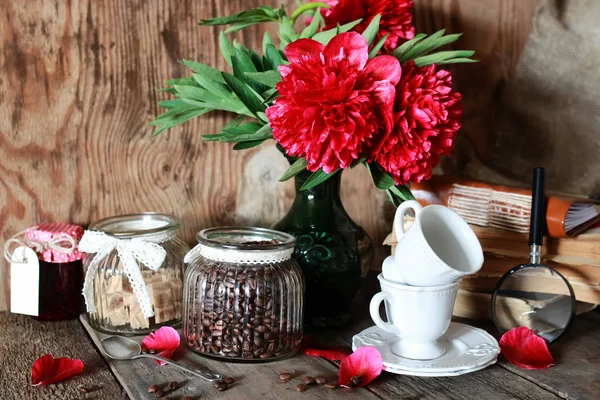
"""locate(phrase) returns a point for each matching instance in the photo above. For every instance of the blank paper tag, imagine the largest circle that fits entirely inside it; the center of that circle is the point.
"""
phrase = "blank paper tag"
(24, 282)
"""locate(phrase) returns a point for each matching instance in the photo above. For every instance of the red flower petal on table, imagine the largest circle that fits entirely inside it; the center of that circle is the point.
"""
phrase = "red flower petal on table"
(522, 347)
(360, 367)
(330, 354)
(334, 104)
(47, 369)
(396, 18)
(164, 342)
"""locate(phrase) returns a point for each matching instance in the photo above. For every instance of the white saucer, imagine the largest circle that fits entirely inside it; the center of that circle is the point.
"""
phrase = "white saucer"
(468, 349)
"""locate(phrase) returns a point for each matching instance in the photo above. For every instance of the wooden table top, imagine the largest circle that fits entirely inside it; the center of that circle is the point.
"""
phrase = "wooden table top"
(23, 339)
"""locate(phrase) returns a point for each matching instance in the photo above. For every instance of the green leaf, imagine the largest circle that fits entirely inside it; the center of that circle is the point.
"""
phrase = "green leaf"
(429, 44)
(458, 61)
(314, 26)
(406, 46)
(325, 36)
(247, 96)
(247, 145)
(402, 192)
(441, 56)
(180, 81)
(287, 34)
(395, 201)
(294, 169)
(204, 70)
(234, 122)
(212, 86)
(371, 32)
(180, 118)
(316, 179)
(381, 180)
(267, 40)
(226, 47)
(251, 17)
(248, 132)
(378, 46)
(268, 78)
(171, 103)
(274, 57)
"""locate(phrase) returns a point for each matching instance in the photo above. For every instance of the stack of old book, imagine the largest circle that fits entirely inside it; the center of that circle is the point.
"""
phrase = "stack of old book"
(500, 217)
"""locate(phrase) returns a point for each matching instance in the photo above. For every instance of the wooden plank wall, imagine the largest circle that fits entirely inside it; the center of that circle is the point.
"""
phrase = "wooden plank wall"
(77, 88)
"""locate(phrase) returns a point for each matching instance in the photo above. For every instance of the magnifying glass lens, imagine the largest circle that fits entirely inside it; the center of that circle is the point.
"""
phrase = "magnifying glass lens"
(534, 296)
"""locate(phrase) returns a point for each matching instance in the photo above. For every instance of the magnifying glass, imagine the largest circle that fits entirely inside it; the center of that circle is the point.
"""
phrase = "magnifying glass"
(534, 295)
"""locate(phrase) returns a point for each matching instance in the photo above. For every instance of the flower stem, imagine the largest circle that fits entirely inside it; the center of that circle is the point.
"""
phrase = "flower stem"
(304, 8)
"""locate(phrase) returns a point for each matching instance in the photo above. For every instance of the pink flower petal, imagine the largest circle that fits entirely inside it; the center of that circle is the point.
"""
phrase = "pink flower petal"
(164, 342)
(360, 367)
(384, 68)
(302, 48)
(330, 354)
(47, 370)
(522, 347)
(350, 46)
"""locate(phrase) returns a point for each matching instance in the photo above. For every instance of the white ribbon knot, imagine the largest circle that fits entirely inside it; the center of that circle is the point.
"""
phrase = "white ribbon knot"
(129, 251)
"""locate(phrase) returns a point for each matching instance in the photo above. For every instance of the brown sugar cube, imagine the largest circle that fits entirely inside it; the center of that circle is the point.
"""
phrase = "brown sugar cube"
(137, 319)
(115, 301)
(162, 296)
(118, 317)
(176, 290)
(164, 314)
(177, 307)
(113, 284)
(127, 286)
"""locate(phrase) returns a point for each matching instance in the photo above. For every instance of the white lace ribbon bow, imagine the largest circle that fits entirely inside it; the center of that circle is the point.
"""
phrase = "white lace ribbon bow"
(129, 251)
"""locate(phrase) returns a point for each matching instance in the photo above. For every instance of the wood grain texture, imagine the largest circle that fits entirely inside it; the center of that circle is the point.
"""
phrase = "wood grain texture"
(77, 89)
(252, 381)
(24, 339)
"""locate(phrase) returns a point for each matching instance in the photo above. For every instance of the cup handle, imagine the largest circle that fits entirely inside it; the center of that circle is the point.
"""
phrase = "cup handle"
(401, 212)
(374, 310)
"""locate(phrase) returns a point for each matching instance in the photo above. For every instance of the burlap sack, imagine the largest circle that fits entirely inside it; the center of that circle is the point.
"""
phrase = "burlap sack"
(550, 114)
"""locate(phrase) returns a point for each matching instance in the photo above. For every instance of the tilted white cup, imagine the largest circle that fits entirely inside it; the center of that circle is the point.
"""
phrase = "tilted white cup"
(438, 248)
(419, 316)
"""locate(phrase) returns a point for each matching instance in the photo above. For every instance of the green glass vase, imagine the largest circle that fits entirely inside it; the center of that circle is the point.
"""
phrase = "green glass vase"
(334, 252)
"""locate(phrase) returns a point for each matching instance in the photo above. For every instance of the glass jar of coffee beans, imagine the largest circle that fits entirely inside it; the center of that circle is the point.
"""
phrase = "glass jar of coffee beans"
(243, 295)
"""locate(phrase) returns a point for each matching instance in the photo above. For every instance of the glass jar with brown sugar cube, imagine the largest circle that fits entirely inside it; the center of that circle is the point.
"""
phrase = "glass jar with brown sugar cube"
(131, 297)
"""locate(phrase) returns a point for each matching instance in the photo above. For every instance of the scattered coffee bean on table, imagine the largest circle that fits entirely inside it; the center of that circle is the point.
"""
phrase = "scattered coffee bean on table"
(82, 390)
(229, 380)
(152, 388)
(321, 380)
(172, 386)
(301, 387)
(355, 381)
(309, 380)
(331, 385)
(159, 393)
(221, 386)
(285, 376)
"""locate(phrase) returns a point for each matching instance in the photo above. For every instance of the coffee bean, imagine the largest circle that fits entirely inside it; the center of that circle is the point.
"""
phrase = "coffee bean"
(355, 381)
(229, 380)
(285, 376)
(159, 393)
(172, 386)
(309, 380)
(82, 390)
(187, 398)
(152, 388)
(331, 386)
(321, 380)
(301, 387)
(221, 386)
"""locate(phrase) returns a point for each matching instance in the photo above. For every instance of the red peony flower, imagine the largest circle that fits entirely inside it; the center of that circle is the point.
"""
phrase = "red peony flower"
(427, 116)
(334, 103)
(522, 347)
(396, 18)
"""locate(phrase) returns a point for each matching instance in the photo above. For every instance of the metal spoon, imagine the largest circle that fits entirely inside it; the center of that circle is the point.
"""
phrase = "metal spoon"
(122, 349)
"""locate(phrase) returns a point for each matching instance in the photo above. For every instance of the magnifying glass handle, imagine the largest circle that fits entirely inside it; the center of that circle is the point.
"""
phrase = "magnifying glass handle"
(538, 215)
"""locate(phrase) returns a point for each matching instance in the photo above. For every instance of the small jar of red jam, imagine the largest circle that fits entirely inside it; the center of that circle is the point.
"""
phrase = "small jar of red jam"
(61, 269)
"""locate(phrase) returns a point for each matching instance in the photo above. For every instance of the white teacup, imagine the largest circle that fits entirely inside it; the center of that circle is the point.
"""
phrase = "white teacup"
(438, 248)
(419, 316)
